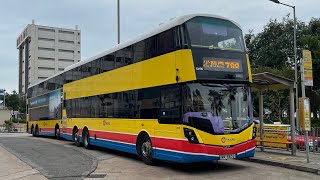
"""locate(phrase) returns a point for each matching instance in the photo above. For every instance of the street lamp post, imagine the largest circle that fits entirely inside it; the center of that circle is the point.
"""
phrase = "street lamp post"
(4, 99)
(295, 73)
(118, 16)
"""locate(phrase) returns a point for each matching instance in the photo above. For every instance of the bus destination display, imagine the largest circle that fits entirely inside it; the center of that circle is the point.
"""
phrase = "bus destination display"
(228, 65)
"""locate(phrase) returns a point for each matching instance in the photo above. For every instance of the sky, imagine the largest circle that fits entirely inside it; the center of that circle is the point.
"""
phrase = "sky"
(97, 20)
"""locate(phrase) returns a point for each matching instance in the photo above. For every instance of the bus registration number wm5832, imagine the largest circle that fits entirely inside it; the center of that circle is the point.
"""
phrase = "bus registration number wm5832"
(228, 156)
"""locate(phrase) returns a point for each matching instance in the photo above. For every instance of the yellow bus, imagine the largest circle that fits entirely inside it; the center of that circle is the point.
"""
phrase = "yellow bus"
(178, 93)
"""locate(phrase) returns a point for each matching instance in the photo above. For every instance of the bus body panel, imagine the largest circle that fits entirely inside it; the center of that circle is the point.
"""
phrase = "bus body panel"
(157, 71)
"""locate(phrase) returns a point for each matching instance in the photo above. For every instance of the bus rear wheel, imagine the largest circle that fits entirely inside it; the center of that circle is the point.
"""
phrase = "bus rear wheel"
(145, 150)
(76, 138)
(36, 132)
(86, 138)
(32, 132)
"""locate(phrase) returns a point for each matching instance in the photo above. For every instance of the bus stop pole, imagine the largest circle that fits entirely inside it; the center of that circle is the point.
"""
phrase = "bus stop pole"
(261, 119)
(306, 136)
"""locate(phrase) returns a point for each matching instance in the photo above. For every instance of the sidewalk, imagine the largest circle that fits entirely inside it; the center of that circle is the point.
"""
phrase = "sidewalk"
(283, 158)
(13, 168)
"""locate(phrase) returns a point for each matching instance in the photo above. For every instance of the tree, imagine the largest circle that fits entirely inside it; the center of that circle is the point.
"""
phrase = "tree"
(13, 101)
(272, 51)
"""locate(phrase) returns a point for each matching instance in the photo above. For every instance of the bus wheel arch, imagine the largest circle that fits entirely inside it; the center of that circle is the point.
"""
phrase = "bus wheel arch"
(86, 138)
(57, 131)
(144, 148)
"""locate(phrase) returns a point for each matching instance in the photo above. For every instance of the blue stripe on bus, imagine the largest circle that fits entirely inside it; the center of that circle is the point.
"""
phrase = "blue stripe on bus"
(182, 157)
(46, 133)
(246, 154)
(66, 136)
(130, 148)
(189, 158)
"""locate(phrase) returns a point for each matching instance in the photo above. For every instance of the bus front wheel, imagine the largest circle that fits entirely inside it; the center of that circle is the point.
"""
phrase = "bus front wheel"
(145, 148)
(57, 132)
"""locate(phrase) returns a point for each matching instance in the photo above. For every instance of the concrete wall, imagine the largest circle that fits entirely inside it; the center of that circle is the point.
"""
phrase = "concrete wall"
(4, 115)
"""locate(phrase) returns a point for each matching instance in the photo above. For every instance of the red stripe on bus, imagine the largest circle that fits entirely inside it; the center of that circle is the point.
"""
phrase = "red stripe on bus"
(126, 138)
(185, 146)
(47, 129)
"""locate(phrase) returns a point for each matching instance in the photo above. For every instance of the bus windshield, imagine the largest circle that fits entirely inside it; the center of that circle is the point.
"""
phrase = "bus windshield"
(217, 108)
(205, 32)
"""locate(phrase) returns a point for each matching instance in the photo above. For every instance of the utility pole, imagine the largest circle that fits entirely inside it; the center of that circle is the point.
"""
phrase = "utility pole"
(4, 98)
(295, 63)
(118, 11)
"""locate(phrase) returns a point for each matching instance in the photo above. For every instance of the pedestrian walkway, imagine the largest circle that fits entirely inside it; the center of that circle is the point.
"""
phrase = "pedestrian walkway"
(284, 158)
(13, 168)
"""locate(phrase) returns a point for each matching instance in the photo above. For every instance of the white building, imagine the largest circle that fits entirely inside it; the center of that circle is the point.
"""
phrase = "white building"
(45, 51)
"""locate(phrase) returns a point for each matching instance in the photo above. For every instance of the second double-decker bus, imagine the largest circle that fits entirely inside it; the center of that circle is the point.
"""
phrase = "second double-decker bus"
(178, 93)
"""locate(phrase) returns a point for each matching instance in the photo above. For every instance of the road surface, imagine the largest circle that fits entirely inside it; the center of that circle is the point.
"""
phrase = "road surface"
(62, 160)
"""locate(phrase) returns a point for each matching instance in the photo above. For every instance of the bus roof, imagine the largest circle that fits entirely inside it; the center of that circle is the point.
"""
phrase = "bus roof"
(161, 28)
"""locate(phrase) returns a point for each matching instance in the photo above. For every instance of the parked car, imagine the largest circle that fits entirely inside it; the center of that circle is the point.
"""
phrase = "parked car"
(300, 141)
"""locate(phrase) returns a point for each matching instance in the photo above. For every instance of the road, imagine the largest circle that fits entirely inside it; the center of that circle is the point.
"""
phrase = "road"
(62, 160)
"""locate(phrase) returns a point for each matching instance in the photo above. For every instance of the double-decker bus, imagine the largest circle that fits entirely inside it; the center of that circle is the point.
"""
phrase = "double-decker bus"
(179, 93)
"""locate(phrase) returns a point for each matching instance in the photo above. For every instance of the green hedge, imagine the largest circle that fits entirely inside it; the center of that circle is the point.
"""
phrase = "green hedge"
(16, 120)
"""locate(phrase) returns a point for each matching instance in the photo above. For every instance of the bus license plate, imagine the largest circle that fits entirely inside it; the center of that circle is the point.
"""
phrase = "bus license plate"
(228, 156)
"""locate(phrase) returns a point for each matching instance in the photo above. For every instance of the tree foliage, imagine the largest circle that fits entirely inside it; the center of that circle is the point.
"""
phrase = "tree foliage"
(272, 51)
(15, 103)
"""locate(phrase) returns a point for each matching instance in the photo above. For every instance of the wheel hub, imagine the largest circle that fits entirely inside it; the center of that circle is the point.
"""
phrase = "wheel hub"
(76, 137)
(146, 149)
(86, 140)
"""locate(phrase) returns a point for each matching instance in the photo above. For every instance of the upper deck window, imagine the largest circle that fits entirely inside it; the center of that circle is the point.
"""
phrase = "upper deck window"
(212, 33)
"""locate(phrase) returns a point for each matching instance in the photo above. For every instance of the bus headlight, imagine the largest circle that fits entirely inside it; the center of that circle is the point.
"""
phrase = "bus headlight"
(254, 133)
(189, 133)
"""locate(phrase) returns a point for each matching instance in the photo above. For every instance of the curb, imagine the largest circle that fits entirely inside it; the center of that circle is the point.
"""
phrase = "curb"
(284, 165)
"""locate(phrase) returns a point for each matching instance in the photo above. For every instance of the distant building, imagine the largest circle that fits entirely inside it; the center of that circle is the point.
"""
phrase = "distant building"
(45, 51)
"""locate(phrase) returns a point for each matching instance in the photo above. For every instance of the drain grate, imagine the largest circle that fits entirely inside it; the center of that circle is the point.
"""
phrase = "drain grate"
(97, 175)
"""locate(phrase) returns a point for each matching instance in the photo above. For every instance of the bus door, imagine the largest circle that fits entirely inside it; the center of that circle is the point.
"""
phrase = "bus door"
(64, 114)
(169, 125)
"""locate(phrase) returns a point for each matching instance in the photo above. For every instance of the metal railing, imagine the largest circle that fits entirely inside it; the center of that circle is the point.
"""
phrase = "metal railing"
(12, 129)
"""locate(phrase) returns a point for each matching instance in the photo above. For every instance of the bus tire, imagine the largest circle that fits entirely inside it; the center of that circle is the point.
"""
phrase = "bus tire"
(36, 132)
(86, 138)
(32, 131)
(76, 138)
(145, 148)
(57, 132)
